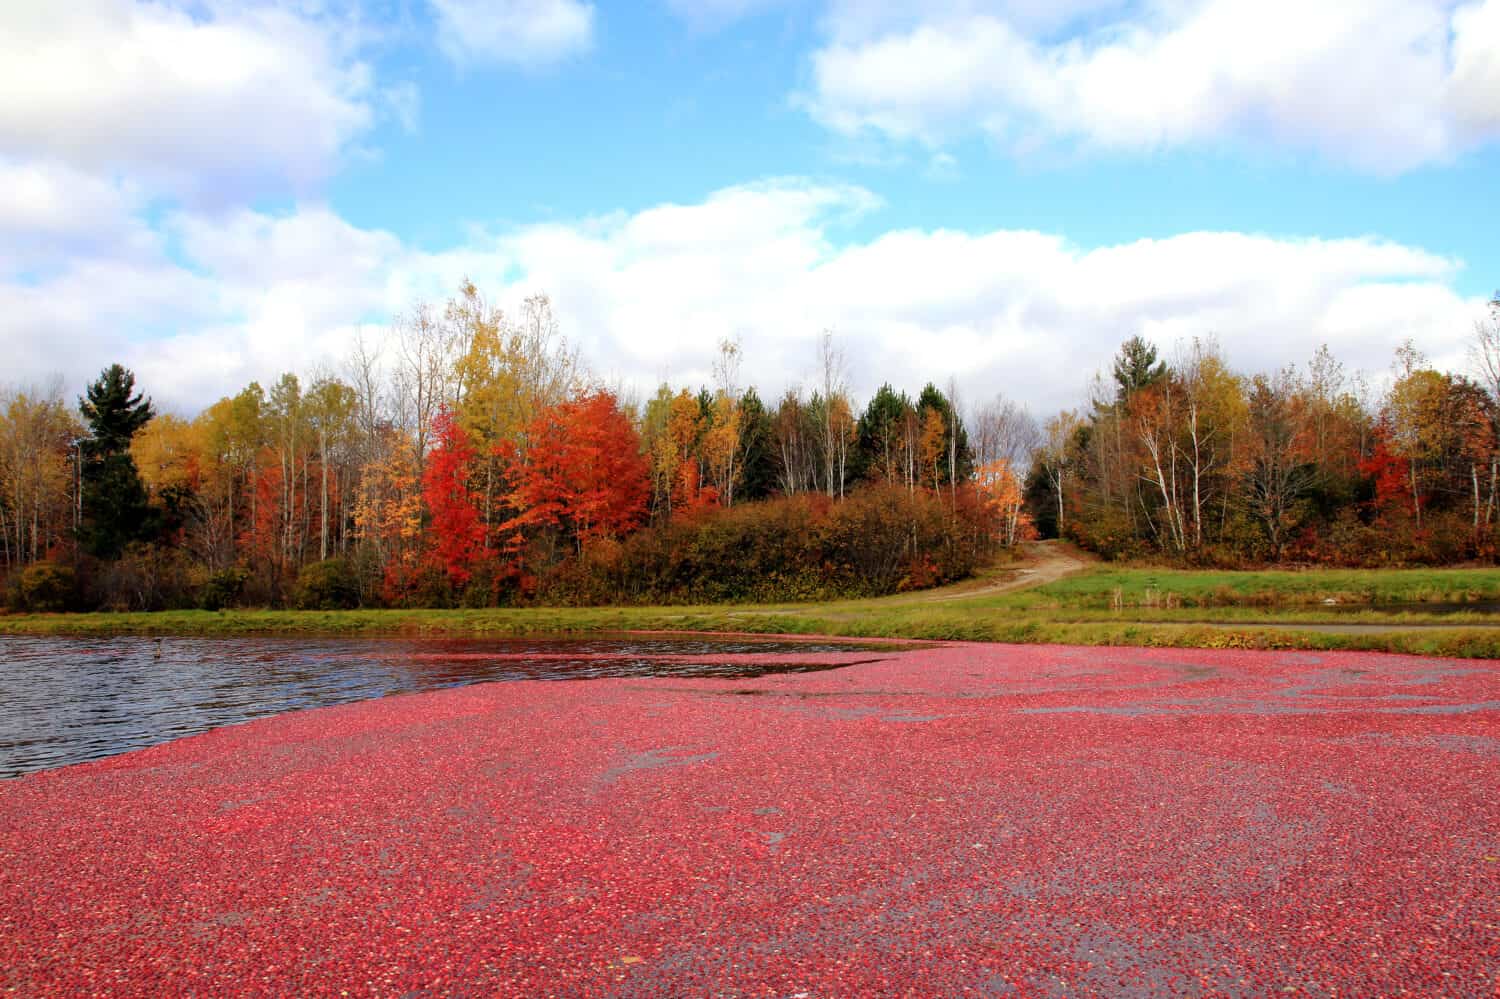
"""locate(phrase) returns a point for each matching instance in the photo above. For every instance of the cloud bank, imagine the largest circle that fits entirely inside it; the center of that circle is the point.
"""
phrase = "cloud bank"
(1381, 85)
(648, 295)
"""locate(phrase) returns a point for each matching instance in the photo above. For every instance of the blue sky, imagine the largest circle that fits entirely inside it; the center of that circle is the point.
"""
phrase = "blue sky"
(994, 190)
(670, 109)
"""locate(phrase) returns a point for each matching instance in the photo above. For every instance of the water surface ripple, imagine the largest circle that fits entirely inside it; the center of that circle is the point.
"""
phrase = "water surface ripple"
(67, 700)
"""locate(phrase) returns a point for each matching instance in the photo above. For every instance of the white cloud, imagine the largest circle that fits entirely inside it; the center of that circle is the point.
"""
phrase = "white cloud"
(204, 104)
(649, 294)
(522, 33)
(1474, 92)
(1385, 85)
(856, 20)
(50, 213)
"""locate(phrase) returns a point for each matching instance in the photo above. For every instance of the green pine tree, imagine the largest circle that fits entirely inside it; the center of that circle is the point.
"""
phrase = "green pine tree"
(115, 507)
(1136, 367)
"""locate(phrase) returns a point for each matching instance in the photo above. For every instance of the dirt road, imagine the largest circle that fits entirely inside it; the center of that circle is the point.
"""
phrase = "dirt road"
(1046, 562)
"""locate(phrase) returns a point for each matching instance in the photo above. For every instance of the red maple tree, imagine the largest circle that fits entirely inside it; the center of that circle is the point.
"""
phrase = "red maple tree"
(456, 531)
(584, 472)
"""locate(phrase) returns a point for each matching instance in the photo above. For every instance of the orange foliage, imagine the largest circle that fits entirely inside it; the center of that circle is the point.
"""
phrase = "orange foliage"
(584, 474)
(1003, 497)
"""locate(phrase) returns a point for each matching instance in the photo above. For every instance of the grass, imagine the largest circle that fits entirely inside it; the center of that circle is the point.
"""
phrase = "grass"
(1101, 606)
(1162, 588)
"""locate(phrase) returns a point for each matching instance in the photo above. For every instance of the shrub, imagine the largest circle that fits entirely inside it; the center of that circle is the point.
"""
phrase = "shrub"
(878, 540)
(224, 588)
(45, 588)
(327, 585)
(146, 577)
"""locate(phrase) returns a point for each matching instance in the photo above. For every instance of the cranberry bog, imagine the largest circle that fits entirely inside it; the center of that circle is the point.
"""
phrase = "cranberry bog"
(961, 819)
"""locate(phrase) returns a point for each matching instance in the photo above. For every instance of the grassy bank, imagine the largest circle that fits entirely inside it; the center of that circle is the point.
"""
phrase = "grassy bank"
(1101, 606)
(1164, 588)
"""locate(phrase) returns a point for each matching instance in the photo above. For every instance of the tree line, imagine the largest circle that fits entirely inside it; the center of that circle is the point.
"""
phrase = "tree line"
(1187, 459)
(471, 458)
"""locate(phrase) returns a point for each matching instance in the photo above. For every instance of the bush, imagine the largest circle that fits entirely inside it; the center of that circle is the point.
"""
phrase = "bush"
(224, 588)
(878, 540)
(45, 588)
(146, 577)
(327, 585)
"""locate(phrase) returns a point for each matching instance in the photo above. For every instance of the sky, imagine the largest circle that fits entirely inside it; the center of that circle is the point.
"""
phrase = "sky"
(995, 192)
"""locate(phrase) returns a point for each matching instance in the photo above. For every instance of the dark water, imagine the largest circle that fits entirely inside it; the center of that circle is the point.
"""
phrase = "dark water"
(67, 700)
(1420, 608)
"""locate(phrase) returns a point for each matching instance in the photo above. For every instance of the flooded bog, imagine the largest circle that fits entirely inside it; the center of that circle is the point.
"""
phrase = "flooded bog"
(67, 700)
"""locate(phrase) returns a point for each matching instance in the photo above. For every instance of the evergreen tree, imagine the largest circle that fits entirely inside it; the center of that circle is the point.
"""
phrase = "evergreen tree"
(1040, 499)
(877, 452)
(1136, 367)
(115, 507)
(758, 461)
(933, 398)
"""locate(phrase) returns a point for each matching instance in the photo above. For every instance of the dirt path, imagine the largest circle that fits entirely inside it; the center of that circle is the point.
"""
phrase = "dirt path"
(1047, 562)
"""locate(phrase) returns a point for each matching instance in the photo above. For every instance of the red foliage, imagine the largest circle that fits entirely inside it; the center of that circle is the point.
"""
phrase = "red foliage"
(691, 494)
(1389, 472)
(584, 473)
(949, 821)
(456, 533)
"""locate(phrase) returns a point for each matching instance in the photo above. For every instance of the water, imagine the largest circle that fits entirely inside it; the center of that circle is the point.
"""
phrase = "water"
(1479, 607)
(67, 700)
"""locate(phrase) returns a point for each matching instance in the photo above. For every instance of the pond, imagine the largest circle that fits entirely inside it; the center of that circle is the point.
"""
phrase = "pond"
(67, 700)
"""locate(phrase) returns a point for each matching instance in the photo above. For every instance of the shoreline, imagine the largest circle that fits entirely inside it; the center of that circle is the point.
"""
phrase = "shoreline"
(929, 622)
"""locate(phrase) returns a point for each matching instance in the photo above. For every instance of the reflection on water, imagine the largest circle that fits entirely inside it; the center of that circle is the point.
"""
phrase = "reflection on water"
(66, 700)
(1478, 607)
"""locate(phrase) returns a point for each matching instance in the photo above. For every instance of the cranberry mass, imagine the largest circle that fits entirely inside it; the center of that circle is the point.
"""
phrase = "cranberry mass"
(963, 819)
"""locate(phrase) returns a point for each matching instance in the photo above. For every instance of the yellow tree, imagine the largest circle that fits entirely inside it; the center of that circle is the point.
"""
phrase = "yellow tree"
(684, 429)
(1414, 409)
(660, 450)
(37, 434)
(388, 514)
(723, 437)
(1004, 498)
(932, 446)
(168, 452)
(330, 407)
(506, 375)
(843, 430)
(1058, 459)
(721, 447)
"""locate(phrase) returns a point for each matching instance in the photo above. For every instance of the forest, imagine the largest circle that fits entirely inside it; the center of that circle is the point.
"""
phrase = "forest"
(472, 459)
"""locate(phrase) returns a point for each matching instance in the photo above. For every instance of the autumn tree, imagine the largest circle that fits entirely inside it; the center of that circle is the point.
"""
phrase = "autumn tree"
(330, 407)
(37, 474)
(455, 532)
(1000, 491)
(1057, 457)
(832, 373)
(1413, 410)
(932, 447)
(796, 429)
(388, 514)
(1281, 468)
(723, 440)
(955, 462)
(1004, 431)
(585, 477)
